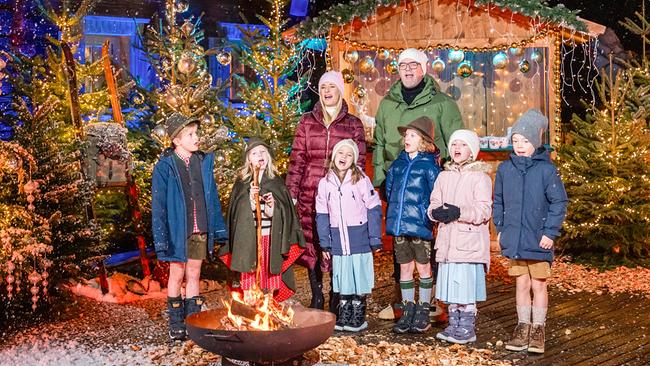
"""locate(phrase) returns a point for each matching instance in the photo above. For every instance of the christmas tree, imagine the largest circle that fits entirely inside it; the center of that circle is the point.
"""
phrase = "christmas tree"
(272, 101)
(606, 170)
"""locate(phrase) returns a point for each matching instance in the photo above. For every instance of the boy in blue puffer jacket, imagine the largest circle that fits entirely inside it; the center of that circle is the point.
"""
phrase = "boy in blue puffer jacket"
(186, 217)
(409, 183)
(529, 208)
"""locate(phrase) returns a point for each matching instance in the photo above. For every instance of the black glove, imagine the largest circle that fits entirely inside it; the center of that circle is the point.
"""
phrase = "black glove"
(438, 214)
(451, 213)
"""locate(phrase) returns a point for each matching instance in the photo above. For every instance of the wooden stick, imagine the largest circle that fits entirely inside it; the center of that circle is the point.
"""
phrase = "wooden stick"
(110, 81)
(258, 216)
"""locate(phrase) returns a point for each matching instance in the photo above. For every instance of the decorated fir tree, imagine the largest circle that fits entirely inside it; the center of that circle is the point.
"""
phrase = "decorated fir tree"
(606, 170)
(272, 101)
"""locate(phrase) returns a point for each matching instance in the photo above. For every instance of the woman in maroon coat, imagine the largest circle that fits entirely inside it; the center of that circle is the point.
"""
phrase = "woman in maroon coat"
(316, 135)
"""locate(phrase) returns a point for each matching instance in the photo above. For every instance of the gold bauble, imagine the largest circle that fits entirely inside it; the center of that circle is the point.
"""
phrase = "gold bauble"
(187, 28)
(392, 67)
(351, 56)
(171, 99)
(438, 65)
(186, 64)
(464, 70)
(159, 134)
(524, 66)
(348, 76)
(367, 65)
(224, 58)
(383, 54)
(138, 98)
(359, 92)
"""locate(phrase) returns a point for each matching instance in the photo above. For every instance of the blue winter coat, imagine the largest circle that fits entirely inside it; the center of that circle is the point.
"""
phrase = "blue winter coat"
(529, 201)
(168, 213)
(408, 186)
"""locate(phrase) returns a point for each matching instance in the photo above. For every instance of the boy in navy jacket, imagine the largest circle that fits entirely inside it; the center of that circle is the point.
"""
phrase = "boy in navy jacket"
(186, 217)
(409, 183)
(529, 208)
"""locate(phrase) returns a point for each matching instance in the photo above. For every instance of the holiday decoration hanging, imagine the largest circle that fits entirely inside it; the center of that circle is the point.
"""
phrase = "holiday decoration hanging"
(516, 51)
(500, 60)
(366, 65)
(159, 134)
(182, 6)
(456, 55)
(536, 56)
(392, 67)
(359, 92)
(137, 98)
(464, 70)
(438, 65)
(383, 54)
(348, 76)
(224, 58)
(186, 64)
(351, 56)
(524, 66)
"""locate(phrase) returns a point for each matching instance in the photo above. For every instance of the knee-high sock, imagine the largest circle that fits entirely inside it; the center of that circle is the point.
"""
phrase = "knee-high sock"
(407, 288)
(426, 287)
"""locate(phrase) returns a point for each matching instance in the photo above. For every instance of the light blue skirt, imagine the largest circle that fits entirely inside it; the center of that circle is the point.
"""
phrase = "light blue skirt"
(461, 283)
(353, 274)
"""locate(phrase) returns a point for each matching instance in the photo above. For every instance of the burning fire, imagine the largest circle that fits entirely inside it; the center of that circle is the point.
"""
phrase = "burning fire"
(256, 311)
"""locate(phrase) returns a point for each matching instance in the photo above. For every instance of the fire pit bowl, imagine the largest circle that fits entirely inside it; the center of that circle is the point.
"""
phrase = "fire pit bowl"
(312, 327)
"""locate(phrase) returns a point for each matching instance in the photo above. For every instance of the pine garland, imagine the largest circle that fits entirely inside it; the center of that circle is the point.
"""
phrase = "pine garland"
(344, 13)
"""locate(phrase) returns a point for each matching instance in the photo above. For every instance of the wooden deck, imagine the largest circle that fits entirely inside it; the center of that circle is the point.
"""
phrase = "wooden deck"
(582, 328)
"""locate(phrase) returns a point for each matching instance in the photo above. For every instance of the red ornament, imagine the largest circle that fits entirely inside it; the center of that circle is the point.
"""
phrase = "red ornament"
(357, 24)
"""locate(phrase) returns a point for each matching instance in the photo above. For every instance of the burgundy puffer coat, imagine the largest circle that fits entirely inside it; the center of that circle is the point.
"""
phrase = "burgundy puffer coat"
(312, 146)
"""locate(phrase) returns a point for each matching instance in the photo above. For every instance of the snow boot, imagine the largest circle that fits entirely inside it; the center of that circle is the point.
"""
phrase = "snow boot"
(193, 305)
(454, 319)
(316, 284)
(345, 312)
(358, 321)
(464, 332)
(421, 321)
(176, 310)
(404, 323)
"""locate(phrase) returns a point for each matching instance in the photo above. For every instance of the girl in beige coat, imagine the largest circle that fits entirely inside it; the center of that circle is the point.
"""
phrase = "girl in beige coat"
(461, 201)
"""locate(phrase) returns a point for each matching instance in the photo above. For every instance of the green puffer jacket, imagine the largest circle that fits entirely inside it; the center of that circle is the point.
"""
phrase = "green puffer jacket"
(394, 112)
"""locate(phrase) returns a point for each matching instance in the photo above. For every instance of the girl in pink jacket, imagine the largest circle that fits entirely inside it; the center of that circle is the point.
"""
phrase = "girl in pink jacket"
(461, 201)
(348, 219)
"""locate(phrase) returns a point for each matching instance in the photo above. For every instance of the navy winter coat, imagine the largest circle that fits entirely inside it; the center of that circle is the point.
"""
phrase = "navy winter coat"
(529, 201)
(168, 208)
(408, 186)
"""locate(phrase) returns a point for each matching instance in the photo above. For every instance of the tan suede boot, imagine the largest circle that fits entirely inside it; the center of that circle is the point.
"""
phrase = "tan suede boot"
(537, 338)
(519, 341)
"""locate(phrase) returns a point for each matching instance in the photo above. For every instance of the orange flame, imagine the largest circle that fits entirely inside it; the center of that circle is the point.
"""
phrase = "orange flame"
(268, 313)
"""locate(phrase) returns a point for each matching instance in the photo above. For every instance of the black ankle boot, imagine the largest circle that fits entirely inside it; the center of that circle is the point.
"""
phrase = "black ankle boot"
(176, 309)
(335, 300)
(193, 305)
(358, 321)
(316, 284)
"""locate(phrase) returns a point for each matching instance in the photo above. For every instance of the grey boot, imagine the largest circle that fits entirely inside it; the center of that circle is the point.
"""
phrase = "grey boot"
(464, 333)
(454, 320)
(404, 323)
(421, 322)
(176, 310)
(193, 305)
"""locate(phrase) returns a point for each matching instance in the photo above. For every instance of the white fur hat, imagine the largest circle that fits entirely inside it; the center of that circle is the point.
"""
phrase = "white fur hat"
(349, 143)
(470, 138)
(416, 55)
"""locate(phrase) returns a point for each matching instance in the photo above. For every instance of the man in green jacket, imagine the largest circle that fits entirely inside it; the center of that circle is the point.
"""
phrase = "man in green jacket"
(415, 95)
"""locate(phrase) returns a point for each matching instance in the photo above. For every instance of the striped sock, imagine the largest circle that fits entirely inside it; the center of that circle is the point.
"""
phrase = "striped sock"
(426, 287)
(407, 288)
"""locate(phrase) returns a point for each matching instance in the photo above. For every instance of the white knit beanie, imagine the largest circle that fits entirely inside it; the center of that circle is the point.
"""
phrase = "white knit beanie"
(351, 144)
(470, 138)
(415, 55)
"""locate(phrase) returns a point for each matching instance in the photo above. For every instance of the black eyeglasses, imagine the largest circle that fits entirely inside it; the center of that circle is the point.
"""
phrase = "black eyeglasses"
(409, 66)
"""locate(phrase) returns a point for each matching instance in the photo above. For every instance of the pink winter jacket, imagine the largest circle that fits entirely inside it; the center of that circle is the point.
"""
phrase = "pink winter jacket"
(469, 187)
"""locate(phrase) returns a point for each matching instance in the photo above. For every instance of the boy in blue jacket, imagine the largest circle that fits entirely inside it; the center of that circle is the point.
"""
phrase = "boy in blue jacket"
(409, 183)
(529, 208)
(186, 217)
